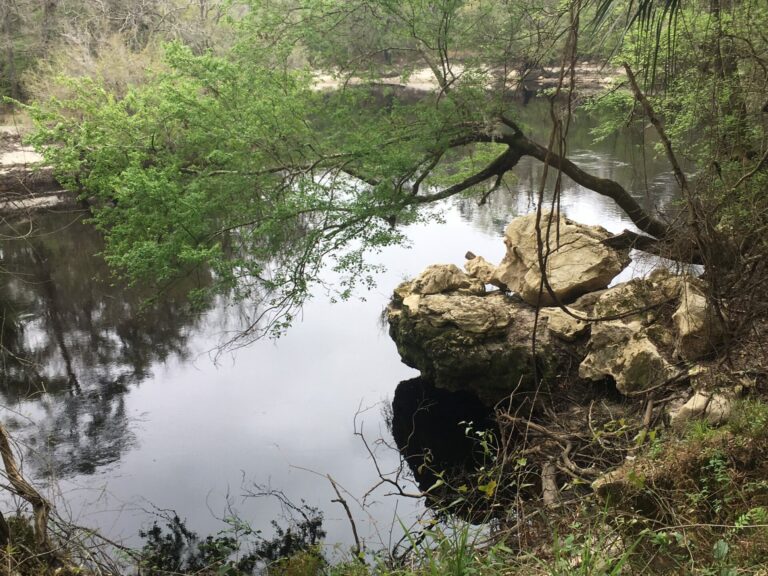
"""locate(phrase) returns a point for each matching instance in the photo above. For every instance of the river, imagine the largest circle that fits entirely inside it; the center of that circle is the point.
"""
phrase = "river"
(129, 409)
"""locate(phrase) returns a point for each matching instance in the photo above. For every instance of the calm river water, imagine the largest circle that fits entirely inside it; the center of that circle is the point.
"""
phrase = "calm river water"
(130, 411)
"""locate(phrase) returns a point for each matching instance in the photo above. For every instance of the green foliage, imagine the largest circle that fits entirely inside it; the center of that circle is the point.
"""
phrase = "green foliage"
(749, 419)
(702, 67)
(698, 430)
(758, 515)
(447, 550)
(21, 555)
(384, 35)
(592, 552)
(614, 110)
(235, 164)
(305, 563)
(211, 165)
(645, 12)
(715, 491)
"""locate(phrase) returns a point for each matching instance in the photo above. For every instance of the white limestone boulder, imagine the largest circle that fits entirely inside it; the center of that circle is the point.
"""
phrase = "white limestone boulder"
(478, 267)
(713, 407)
(698, 329)
(564, 326)
(577, 260)
(624, 352)
(626, 347)
(442, 278)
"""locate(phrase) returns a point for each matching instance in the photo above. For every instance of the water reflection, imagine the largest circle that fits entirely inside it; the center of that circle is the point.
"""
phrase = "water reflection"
(624, 158)
(443, 435)
(79, 343)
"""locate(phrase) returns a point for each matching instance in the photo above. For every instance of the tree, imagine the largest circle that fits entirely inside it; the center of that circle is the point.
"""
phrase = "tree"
(236, 163)
(43, 38)
(9, 75)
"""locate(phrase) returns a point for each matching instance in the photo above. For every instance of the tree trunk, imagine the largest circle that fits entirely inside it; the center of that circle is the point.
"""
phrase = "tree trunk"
(40, 506)
(48, 25)
(733, 144)
(8, 65)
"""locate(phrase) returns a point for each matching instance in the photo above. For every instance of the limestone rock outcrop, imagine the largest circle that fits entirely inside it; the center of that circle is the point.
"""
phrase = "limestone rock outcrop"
(626, 344)
(459, 336)
(439, 278)
(478, 267)
(625, 353)
(698, 329)
(564, 326)
(577, 260)
(469, 341)
(479, 348)
(24, 183)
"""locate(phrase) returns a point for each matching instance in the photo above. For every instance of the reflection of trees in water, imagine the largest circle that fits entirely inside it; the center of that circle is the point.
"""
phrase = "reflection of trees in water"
(84, 431)
(619, 158)
(74, 343)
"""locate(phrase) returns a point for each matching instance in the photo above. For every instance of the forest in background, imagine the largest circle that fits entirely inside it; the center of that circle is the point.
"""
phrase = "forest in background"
(42, 39)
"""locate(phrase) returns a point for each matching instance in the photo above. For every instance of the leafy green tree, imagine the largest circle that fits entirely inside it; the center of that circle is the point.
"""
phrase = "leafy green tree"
(702, 65)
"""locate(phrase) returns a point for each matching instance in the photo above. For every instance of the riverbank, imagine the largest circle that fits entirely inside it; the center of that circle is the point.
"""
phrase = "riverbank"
(25, 184)
(630, 403)
(590, 78)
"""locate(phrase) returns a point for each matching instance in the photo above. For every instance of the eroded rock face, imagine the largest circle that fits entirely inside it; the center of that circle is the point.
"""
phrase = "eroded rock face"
(578, 262)
(697, 327)
(627, 348)
(478, 267)
(464, 341)
(564, 326)
(624, 352)
(439, 278)
(641, 297)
